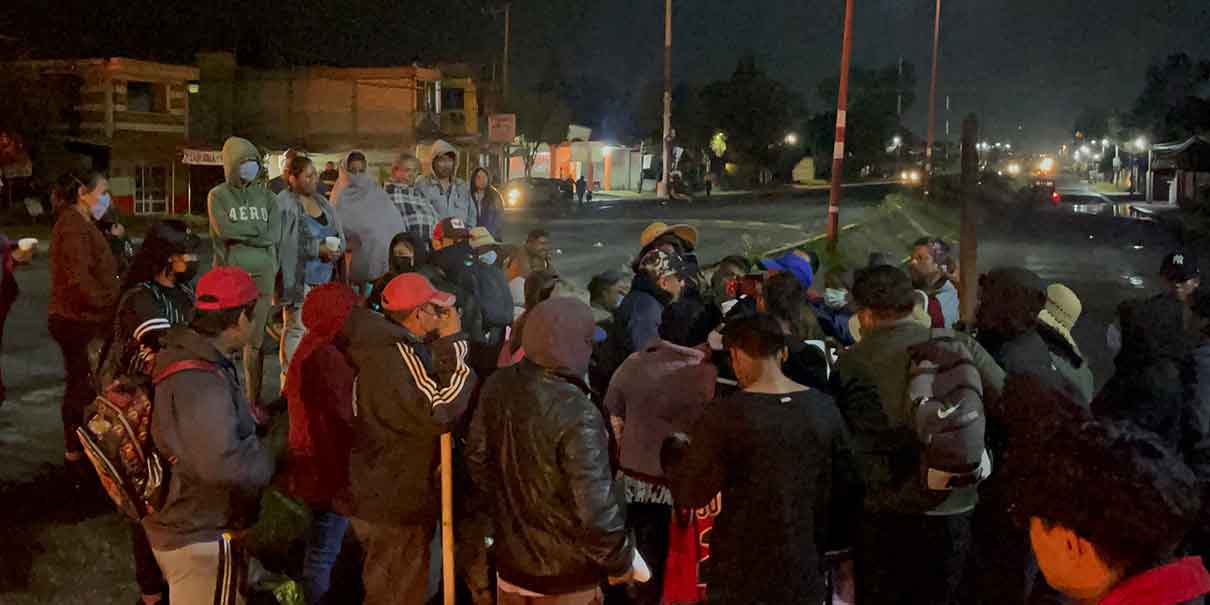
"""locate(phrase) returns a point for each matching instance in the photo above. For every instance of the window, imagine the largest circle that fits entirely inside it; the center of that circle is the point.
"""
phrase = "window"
(452, 99)
(146, 97)
(428, 97)
(150, 189)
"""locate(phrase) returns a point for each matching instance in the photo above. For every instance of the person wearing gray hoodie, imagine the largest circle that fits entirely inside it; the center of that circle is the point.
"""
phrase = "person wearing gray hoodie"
(202, 425)
(370, 221)
(245, 229)
(450, 195)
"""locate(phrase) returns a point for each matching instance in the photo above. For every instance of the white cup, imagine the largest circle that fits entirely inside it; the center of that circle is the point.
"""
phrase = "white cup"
(333, 243)
(27, 244)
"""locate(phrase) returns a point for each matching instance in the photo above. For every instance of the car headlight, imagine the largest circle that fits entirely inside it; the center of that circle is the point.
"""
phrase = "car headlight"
(915, 176)
(514, 196)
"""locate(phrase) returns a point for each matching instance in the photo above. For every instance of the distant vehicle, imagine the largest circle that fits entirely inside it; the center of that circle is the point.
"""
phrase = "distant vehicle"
(526, 192)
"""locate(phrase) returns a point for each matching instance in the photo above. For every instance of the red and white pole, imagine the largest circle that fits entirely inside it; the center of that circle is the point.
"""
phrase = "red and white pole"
(842, 103)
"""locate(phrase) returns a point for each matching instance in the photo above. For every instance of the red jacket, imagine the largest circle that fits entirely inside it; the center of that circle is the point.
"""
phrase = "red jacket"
(83, 272)
(319, 475)
(1178, 582)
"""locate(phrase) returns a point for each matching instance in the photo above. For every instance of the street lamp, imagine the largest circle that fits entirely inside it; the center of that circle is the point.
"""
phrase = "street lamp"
(897, 141)
(791, 139)
(1140, 143)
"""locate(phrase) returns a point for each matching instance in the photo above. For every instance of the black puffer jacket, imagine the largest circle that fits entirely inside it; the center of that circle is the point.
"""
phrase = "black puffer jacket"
(539, 450)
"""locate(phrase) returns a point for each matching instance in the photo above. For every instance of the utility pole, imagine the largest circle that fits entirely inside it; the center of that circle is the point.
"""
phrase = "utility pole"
(507, 32)
(899, 96)
(928, 166)
(968, 238)
(842, 103)
(667, 153)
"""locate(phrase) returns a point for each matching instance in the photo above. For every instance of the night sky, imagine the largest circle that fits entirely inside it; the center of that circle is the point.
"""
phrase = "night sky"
(1027, 63)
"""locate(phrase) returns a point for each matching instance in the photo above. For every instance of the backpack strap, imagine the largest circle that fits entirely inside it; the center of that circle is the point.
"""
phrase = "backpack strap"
(183, 366)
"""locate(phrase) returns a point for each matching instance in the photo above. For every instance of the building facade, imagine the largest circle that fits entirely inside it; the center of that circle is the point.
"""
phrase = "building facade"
(128, 118)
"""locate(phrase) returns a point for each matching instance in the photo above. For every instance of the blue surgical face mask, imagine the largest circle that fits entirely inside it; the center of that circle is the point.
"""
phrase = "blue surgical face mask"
(248, 171)
(489, 257)
(99, 209)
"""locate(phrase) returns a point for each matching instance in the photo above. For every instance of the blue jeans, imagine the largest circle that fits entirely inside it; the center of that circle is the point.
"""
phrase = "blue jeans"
(324, 539)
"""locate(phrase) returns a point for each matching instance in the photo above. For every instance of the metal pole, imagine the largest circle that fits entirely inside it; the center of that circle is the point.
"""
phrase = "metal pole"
(842, 103)
(507, 33)
(928, 166)
(967, 238)
(667, 149)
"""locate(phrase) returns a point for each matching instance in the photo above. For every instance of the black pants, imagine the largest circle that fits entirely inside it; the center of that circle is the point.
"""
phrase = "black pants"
(650, 523)
(913, 559)
(146, 569)
(73, 338)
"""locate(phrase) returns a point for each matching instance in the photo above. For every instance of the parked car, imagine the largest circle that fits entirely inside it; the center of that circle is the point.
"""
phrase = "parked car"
(526, 192)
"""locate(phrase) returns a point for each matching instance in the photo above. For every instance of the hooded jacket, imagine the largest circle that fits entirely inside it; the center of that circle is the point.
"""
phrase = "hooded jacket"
(408, 394)
(244, 223)
(298, 247)
(369, 219)
(456, 200)
(640, 395)
(539, 447)
(202, 419)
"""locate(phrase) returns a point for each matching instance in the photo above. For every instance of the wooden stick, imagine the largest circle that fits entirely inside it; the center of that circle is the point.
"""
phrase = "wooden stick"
(447, 518)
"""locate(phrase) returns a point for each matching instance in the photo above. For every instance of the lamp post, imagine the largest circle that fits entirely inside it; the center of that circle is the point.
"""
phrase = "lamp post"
(928, 153)
(667, 99)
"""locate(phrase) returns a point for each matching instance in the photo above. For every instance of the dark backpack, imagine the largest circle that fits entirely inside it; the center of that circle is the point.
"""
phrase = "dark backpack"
(116, 437)
(492, 293)
(945, 398)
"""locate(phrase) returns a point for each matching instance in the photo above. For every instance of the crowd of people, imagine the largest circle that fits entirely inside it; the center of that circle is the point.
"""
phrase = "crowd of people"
(728, 434)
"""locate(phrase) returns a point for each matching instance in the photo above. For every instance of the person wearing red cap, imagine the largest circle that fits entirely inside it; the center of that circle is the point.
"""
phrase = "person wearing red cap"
(202, 423)
(413, 384)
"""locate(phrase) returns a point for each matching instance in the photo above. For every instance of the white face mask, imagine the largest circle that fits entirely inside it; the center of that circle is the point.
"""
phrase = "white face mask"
(249, 170)
(715, 340)
(835, 298)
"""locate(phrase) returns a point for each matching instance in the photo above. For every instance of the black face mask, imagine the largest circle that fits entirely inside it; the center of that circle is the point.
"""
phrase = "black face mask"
(403, 264)
(186, 276)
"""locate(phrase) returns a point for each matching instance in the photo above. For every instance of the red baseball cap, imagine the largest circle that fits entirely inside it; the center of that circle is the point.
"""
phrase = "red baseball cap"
(410, 290)
(225, 288)
(451, 228)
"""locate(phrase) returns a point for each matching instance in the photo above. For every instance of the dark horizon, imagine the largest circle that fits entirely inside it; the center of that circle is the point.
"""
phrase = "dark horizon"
(1031, 64)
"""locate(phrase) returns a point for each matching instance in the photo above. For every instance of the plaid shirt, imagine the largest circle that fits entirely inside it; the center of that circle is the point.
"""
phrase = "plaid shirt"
(419, 218)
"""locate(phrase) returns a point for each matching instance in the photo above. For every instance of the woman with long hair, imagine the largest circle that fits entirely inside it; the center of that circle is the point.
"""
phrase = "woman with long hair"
(312, 244)
(157, 295)
(84, 291)
(488, 203)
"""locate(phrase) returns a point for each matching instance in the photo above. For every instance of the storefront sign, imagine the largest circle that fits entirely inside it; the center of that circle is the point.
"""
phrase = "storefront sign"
(202, 157)
(502, 127)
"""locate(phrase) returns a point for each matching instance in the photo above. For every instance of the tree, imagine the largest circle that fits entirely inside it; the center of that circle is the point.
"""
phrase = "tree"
(754, 110)
(32, 103)
(1170, 106)
(872, 113)
(1092, 123)
(542, 117)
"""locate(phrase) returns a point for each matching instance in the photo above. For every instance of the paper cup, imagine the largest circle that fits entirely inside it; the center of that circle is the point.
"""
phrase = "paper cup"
(27, 244)
(333, 243)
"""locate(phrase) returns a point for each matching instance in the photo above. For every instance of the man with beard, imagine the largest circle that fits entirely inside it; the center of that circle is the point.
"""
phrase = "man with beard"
(413, 385)
(449, 195)
(370, 221)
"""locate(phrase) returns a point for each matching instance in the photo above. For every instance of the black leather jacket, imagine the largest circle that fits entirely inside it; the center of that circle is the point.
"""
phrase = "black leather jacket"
(539, 451)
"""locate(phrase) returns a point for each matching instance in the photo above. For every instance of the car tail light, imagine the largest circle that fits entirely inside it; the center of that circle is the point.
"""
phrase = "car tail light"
(1055, 197)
